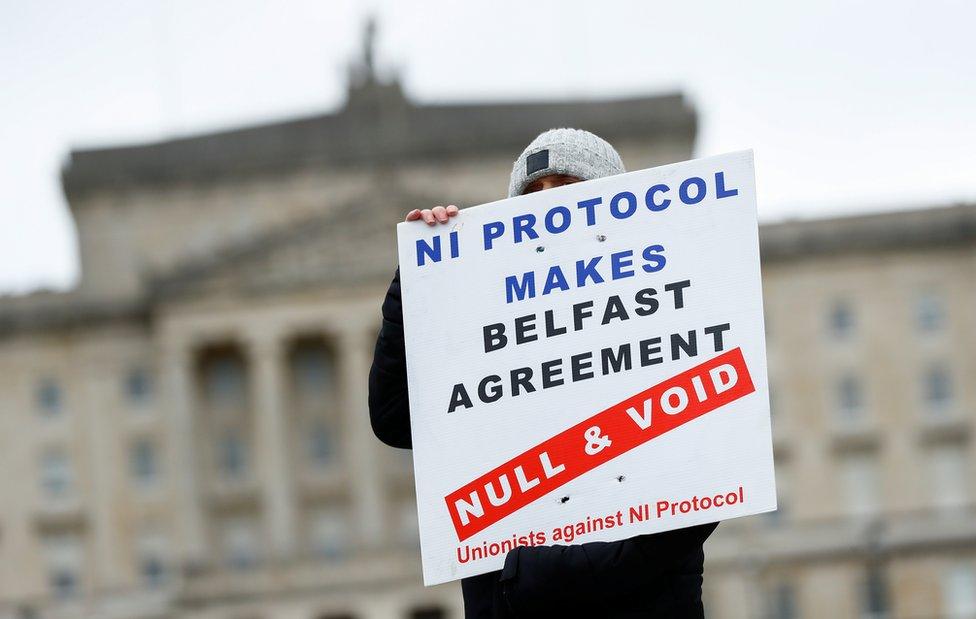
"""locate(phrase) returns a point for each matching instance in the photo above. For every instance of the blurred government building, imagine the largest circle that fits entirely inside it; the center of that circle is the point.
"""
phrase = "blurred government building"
(185, 433)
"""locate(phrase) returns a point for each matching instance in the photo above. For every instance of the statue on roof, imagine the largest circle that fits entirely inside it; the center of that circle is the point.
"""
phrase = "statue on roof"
(369, 48)
(362, 71)
(364, 80)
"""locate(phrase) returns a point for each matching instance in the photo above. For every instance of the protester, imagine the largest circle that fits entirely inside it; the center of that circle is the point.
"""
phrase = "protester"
(656, 575)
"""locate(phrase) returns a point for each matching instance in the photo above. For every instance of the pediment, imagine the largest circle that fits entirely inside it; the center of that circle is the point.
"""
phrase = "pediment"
(352, 245)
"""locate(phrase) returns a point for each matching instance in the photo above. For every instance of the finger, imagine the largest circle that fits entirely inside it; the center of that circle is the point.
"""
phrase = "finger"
(413, 215)
(428, 216)
(440, 214)
(452, 210)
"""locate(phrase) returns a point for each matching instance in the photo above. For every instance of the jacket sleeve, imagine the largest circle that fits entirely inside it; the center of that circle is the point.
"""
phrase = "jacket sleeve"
(543, 577)
(389, 408)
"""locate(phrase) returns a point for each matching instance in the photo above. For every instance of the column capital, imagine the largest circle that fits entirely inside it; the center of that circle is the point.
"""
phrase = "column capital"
(179, 351)
(357, 336)
(266, 344)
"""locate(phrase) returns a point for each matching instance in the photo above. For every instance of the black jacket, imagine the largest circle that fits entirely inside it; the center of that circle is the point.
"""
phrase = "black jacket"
(646, 576)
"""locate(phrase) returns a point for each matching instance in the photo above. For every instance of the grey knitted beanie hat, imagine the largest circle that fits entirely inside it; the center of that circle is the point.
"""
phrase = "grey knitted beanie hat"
(573, 152)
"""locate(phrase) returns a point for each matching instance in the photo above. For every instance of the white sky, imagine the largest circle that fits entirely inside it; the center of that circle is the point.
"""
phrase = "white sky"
(851, 106)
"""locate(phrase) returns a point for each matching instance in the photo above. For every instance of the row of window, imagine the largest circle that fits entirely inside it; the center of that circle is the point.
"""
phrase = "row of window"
(65, 558)
(241, 547)
(57, 476)
(329, 535)
(137, 387)
(958, 593)
(849, 394)
(930, 316)
(312, 367)
(224, 379)
(223, 386)
(239, 542)
(223, 383)
(937, 392)
(944, 476)
(233, 459)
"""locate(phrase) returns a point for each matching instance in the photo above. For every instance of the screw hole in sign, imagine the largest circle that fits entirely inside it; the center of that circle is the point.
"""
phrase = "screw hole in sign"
(564, 499)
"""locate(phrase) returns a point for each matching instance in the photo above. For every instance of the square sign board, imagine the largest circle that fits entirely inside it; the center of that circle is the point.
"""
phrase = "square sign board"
(587, 363)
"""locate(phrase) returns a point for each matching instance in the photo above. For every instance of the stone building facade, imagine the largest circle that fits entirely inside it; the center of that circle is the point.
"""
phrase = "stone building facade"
(185, 433)
(870, 336)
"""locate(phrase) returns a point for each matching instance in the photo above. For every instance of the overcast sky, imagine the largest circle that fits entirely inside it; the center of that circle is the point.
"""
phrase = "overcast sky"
(851, 106)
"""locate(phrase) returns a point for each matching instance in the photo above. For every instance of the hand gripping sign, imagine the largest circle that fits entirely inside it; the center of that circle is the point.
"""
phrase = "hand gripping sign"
(587, 363)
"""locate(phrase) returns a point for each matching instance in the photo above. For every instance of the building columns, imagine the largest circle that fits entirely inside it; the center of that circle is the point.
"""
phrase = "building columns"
(266, 357)
(184, 462)
(361, 447)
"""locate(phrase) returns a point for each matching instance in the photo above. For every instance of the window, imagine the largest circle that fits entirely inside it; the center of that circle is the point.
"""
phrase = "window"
(56, 474)
(850, 398)
(781, 602)
(841, 320)
(142, 460)
(959, 592)
(320, 448)
(151, 562)
(64, 582)
(63, 555)
(874, 594)
(49, 398)
(224, 380)
(948, 476)
(860, 484)
(138, 386)
(232, 456)
(312, 397)
(937, 388)
(329, 534)
(930, 313)
(240, 542)
(312, 369)
(153, 571)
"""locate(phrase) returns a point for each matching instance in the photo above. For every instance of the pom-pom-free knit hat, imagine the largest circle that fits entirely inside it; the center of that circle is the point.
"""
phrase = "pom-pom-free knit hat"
(573, 152)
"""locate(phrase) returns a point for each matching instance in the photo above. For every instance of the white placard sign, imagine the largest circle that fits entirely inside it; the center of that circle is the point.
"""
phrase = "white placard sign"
(587, 363)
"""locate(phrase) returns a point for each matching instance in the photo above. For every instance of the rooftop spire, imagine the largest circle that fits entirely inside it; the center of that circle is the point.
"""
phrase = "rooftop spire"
(365, 85)
(362, 70)
(369, 48)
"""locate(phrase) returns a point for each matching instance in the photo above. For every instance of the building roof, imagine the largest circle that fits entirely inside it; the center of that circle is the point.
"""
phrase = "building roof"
(921, 228)
(377, 126)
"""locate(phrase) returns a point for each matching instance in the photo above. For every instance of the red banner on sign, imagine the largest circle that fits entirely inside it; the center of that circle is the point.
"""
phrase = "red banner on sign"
(596, 440)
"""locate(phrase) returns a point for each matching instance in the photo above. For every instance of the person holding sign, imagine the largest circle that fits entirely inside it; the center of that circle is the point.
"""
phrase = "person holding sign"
(657, 575)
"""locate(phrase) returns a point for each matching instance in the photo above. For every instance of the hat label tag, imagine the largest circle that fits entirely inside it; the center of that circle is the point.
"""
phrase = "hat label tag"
(537, 161)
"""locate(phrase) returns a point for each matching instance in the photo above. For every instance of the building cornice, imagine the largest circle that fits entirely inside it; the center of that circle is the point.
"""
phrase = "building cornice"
(378, 126)
(924, 228)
